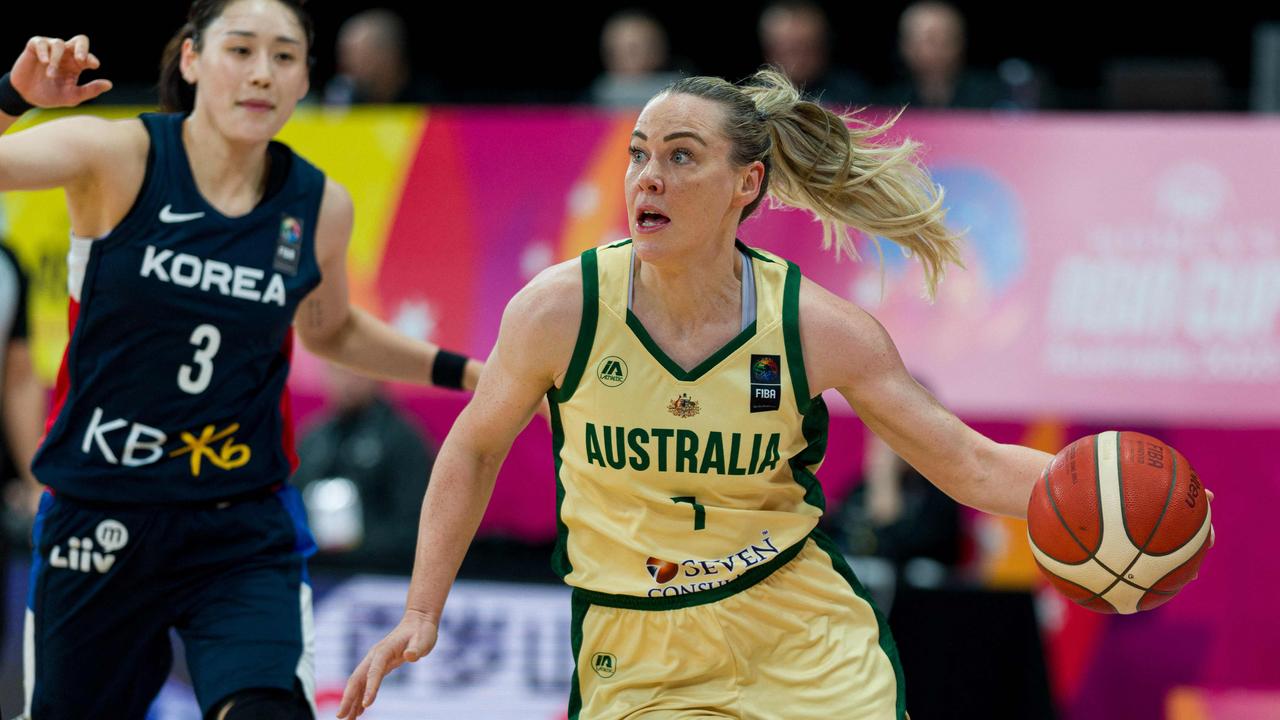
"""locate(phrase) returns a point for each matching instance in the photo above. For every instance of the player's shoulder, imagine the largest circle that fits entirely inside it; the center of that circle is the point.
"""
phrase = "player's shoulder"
(839, 338)
(553, 298)
(103, 137)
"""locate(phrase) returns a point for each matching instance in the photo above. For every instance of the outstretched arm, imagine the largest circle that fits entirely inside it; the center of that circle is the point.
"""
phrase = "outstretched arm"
(332, 328)
(847, 349)
(534, 345)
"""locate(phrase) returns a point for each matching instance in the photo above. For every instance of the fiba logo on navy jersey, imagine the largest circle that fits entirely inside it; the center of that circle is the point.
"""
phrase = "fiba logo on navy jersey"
(289, 246)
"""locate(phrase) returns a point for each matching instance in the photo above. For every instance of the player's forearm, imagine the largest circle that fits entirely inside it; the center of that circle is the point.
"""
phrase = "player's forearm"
(461, 484)
(1004, 476)
(371, 347)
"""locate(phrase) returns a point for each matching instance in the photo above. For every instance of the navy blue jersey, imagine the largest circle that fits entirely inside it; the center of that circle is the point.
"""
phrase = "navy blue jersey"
(173, 383)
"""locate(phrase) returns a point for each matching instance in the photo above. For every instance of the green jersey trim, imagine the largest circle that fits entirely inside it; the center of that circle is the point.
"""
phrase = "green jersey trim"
(586, 330)
(703, 367)
(791, 336)
(744, 581)
(560, 563)
(887, 643)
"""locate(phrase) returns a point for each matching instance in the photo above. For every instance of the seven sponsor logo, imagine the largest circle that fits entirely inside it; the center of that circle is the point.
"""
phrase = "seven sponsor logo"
(81, 556)
(190, 271)
(144, 445)
(693, 575)
(612, 371)
(766, 382)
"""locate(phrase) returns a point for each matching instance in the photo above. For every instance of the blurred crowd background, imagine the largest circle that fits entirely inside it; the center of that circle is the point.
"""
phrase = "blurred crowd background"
(960, 588)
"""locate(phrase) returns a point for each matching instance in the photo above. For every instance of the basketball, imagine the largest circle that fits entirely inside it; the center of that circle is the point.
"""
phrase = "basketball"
(1119, 522)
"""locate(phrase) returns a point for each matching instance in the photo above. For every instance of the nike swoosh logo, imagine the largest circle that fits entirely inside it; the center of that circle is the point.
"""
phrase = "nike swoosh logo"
(167, 215)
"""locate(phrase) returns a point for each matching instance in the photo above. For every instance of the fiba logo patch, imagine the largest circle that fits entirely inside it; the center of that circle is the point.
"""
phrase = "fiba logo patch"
(766, 382)
(612, 371)
(605, 664)
(661, 570)
(289, 246)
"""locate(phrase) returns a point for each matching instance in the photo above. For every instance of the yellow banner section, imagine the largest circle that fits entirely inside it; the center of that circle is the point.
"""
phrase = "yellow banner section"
(368, 150)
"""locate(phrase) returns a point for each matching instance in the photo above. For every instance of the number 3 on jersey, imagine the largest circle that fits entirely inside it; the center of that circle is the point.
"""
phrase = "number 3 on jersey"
(196, 380)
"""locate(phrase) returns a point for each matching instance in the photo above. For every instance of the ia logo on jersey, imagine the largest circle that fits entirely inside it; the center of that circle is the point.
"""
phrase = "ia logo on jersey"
(81, 556)
(612, 371)
(605, 664)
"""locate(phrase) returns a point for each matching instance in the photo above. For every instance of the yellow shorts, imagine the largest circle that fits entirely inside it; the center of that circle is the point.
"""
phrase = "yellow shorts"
(799, 639)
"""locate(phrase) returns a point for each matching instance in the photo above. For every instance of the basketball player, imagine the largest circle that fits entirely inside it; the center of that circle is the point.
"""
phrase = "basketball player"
(195, 242)
(685, 373)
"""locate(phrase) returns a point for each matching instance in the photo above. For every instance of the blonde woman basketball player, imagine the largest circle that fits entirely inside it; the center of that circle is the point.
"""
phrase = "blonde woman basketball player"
(685, 373)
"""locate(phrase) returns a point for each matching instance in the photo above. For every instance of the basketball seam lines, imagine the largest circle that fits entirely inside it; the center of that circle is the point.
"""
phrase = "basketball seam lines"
(1054, 504)
(1120, 480)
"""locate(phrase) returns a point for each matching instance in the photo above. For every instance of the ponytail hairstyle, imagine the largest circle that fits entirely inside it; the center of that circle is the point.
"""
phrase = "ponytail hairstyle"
(176, 94)
(829, 164)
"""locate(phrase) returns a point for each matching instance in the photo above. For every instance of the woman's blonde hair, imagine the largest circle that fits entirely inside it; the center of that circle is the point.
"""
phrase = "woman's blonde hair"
(829, 164)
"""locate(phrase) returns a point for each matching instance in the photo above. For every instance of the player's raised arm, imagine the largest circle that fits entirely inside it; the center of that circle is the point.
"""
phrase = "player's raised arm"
(531, 356)
(47, 75)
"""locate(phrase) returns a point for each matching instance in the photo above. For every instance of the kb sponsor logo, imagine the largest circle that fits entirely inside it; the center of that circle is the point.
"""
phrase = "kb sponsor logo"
(612, 371)
(82, 554)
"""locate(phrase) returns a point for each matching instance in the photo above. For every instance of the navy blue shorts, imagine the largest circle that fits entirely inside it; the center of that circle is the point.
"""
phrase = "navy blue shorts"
(108, 582)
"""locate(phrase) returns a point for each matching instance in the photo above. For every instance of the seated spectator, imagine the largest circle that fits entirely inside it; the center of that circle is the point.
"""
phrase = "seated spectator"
(796, 37)
(373, 63)
(363, 472)
(931, 42)
(633, 46)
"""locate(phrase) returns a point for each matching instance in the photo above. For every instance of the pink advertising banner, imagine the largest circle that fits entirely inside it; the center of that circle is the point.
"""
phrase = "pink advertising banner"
(1115, 268)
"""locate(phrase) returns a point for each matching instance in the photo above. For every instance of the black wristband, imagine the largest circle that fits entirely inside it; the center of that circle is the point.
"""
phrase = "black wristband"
(448, 369)
(11, 101)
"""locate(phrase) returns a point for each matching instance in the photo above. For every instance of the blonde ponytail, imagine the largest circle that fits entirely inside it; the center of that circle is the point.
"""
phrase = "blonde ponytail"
(830, 165)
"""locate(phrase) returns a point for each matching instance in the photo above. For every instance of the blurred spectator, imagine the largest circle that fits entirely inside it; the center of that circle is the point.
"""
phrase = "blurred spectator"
(633, 46)
(373, 63)
(363, 472)
(22, 406)
(796, 38)
(931, 40)
(897, 514)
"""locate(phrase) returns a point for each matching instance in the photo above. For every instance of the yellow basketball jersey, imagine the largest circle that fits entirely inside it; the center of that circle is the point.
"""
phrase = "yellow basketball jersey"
(673, 483)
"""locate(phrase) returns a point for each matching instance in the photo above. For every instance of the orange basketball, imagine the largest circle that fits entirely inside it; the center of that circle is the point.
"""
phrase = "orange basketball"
(1119, 522)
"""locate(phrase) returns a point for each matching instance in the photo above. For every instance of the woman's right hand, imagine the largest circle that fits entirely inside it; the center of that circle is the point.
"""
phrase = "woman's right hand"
(410, 641)
(47, 73)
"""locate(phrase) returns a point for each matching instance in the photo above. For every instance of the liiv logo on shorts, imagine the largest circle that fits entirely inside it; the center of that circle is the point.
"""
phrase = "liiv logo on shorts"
(612, 371)
(605, 664)
(111, 535)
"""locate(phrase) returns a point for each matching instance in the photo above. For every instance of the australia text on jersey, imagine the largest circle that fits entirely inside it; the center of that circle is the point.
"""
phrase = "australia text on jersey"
(681, 450)
(145, 445)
